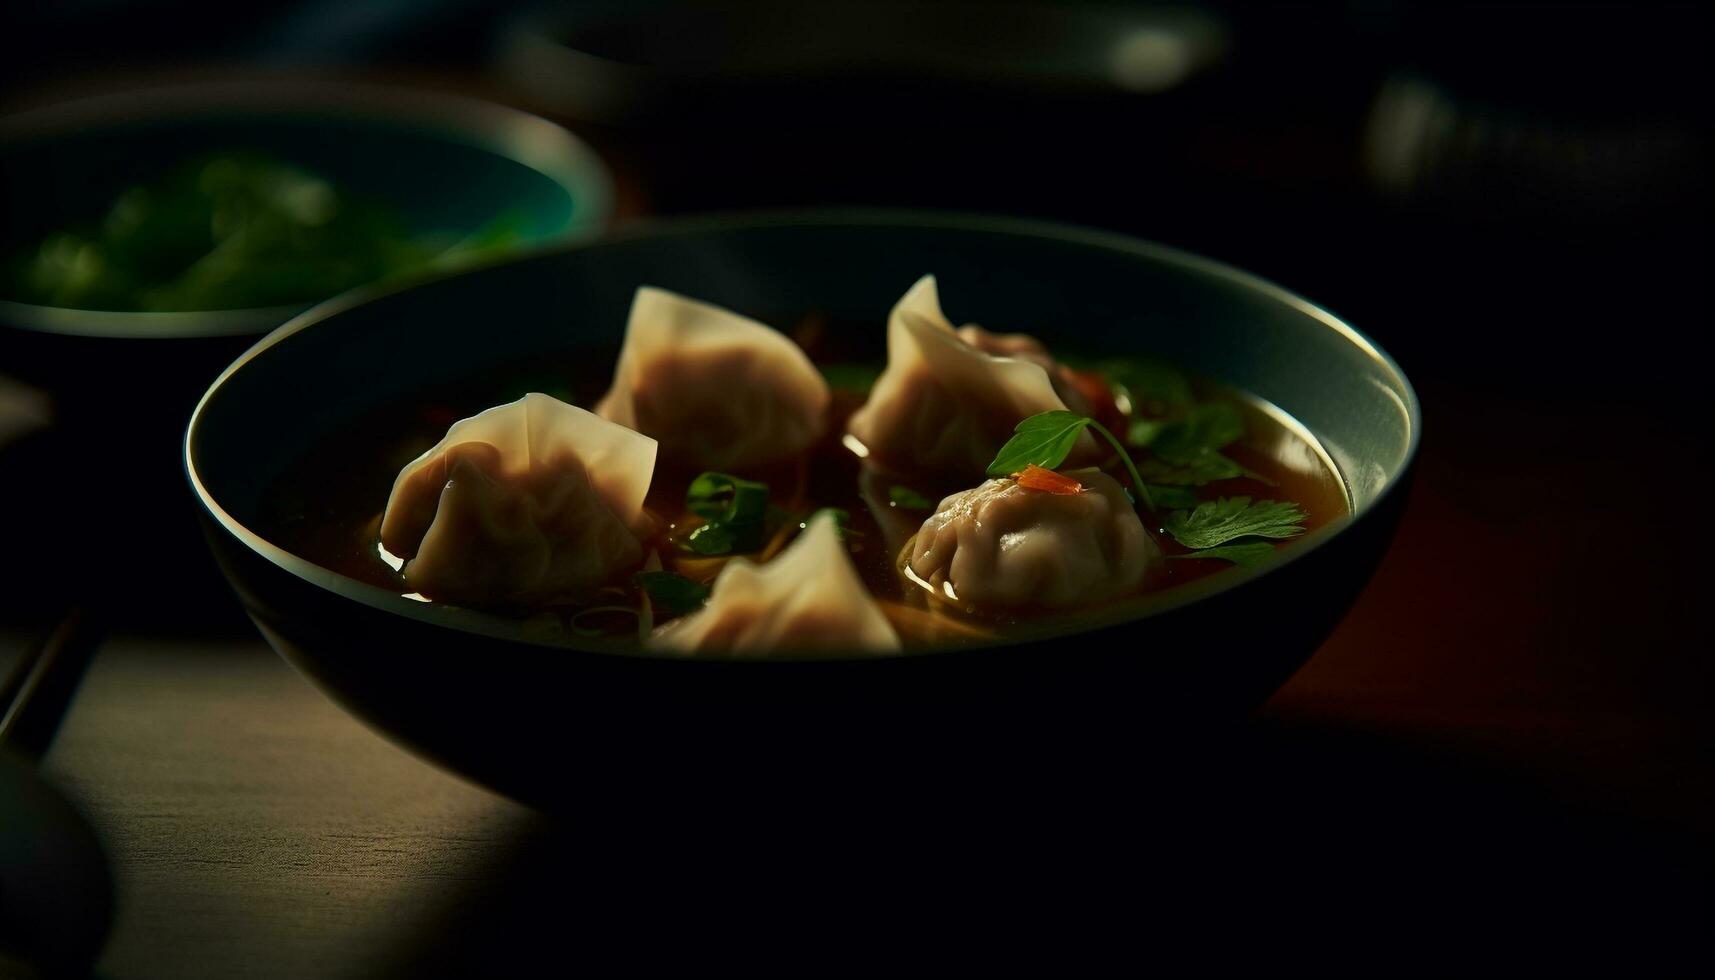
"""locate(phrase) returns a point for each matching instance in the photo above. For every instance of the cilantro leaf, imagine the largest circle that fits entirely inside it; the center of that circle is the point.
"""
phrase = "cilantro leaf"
(908, 498)
(1172, 498)
(673, 593)
(1216, 523)
(1150, 385)
(1207, 468)
(1142, 432)
(1203, 430)
(1243, 553)
(1044, 439)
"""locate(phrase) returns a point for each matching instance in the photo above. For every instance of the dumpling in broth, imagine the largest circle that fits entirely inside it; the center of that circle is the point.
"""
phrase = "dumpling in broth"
(809, 599)
(718, 390)
(1027, 348)
(943, 406)
(1001, 546)
(522, 504)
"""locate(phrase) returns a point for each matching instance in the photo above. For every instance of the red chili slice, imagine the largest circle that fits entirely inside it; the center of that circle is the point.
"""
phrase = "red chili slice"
(1036, 478)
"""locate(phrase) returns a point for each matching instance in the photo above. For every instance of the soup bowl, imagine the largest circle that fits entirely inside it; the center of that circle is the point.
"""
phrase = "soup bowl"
(558, 724)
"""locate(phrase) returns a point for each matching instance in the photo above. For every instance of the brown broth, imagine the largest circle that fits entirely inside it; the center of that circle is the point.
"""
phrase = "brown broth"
(326, 507)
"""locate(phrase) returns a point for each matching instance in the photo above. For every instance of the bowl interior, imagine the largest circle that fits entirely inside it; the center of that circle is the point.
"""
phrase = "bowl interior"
(1074, 289)
(442, 163)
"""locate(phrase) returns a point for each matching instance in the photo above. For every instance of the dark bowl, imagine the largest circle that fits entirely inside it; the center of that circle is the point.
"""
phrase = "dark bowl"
(556, 725)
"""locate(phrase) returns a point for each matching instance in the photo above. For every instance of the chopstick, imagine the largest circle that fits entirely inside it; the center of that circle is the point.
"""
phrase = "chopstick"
(35, 695)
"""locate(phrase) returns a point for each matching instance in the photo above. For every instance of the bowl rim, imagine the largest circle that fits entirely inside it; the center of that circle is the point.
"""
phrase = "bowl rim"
(522, 137)
(495, 627)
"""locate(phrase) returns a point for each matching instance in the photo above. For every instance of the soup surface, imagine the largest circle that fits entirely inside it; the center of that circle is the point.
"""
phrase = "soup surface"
(327, 506)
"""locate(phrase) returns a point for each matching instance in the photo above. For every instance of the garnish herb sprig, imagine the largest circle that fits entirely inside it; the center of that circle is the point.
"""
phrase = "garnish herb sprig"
(1218, 522)
(1046, 439)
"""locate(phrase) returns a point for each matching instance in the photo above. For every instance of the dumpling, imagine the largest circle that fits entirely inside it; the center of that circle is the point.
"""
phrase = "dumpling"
(1001, 546)
(1027, 348)
(944, 407)
(522, 504)
(809, 599)
(718, 391)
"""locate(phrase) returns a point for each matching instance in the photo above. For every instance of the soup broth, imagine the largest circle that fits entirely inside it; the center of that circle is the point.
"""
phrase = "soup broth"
(327, 506)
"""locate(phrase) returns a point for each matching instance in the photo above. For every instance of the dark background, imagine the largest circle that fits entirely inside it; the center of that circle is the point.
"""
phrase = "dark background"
(1506, 747)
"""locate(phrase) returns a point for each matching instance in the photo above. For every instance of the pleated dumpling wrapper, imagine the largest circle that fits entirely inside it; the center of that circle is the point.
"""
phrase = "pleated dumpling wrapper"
(808, 600)
(1002, 546)
(718, 390)
(525, 503)
(943, 407)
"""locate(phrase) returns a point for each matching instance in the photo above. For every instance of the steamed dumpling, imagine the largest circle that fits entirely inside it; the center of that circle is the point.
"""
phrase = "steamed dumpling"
(1000, 545)
(809, 599)
(522, 504)
(717, 390)
(943, 406)
(1027, 348)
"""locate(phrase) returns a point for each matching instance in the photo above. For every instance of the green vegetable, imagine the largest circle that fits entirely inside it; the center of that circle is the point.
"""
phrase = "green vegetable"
(736, 510)
(1244, 553)
(713, 539)
(1216, 523)
(1207, 468)
(908, 498)
(233, 231)
(1046, 439)
(1151, 386)
(1172, 498)
(1202, 430)
(727, 498)
(1142, 432)
(673, 593)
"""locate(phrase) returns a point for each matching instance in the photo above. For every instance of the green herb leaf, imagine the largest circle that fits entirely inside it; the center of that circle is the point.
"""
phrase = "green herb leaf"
(726, 498)
(1172, 498)
(673, 593)
(1203, 430)
(1207, 468)
(1216, 523)
(1044, 439)
(1151, 386)
(1142, 432)
(908, 498)
(1244, 553)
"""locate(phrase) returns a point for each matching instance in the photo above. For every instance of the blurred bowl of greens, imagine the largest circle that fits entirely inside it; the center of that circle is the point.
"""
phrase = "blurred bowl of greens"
(148, 236)
(222, 209)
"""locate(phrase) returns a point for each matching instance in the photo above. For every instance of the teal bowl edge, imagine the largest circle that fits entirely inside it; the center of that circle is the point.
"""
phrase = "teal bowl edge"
(514, 134)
